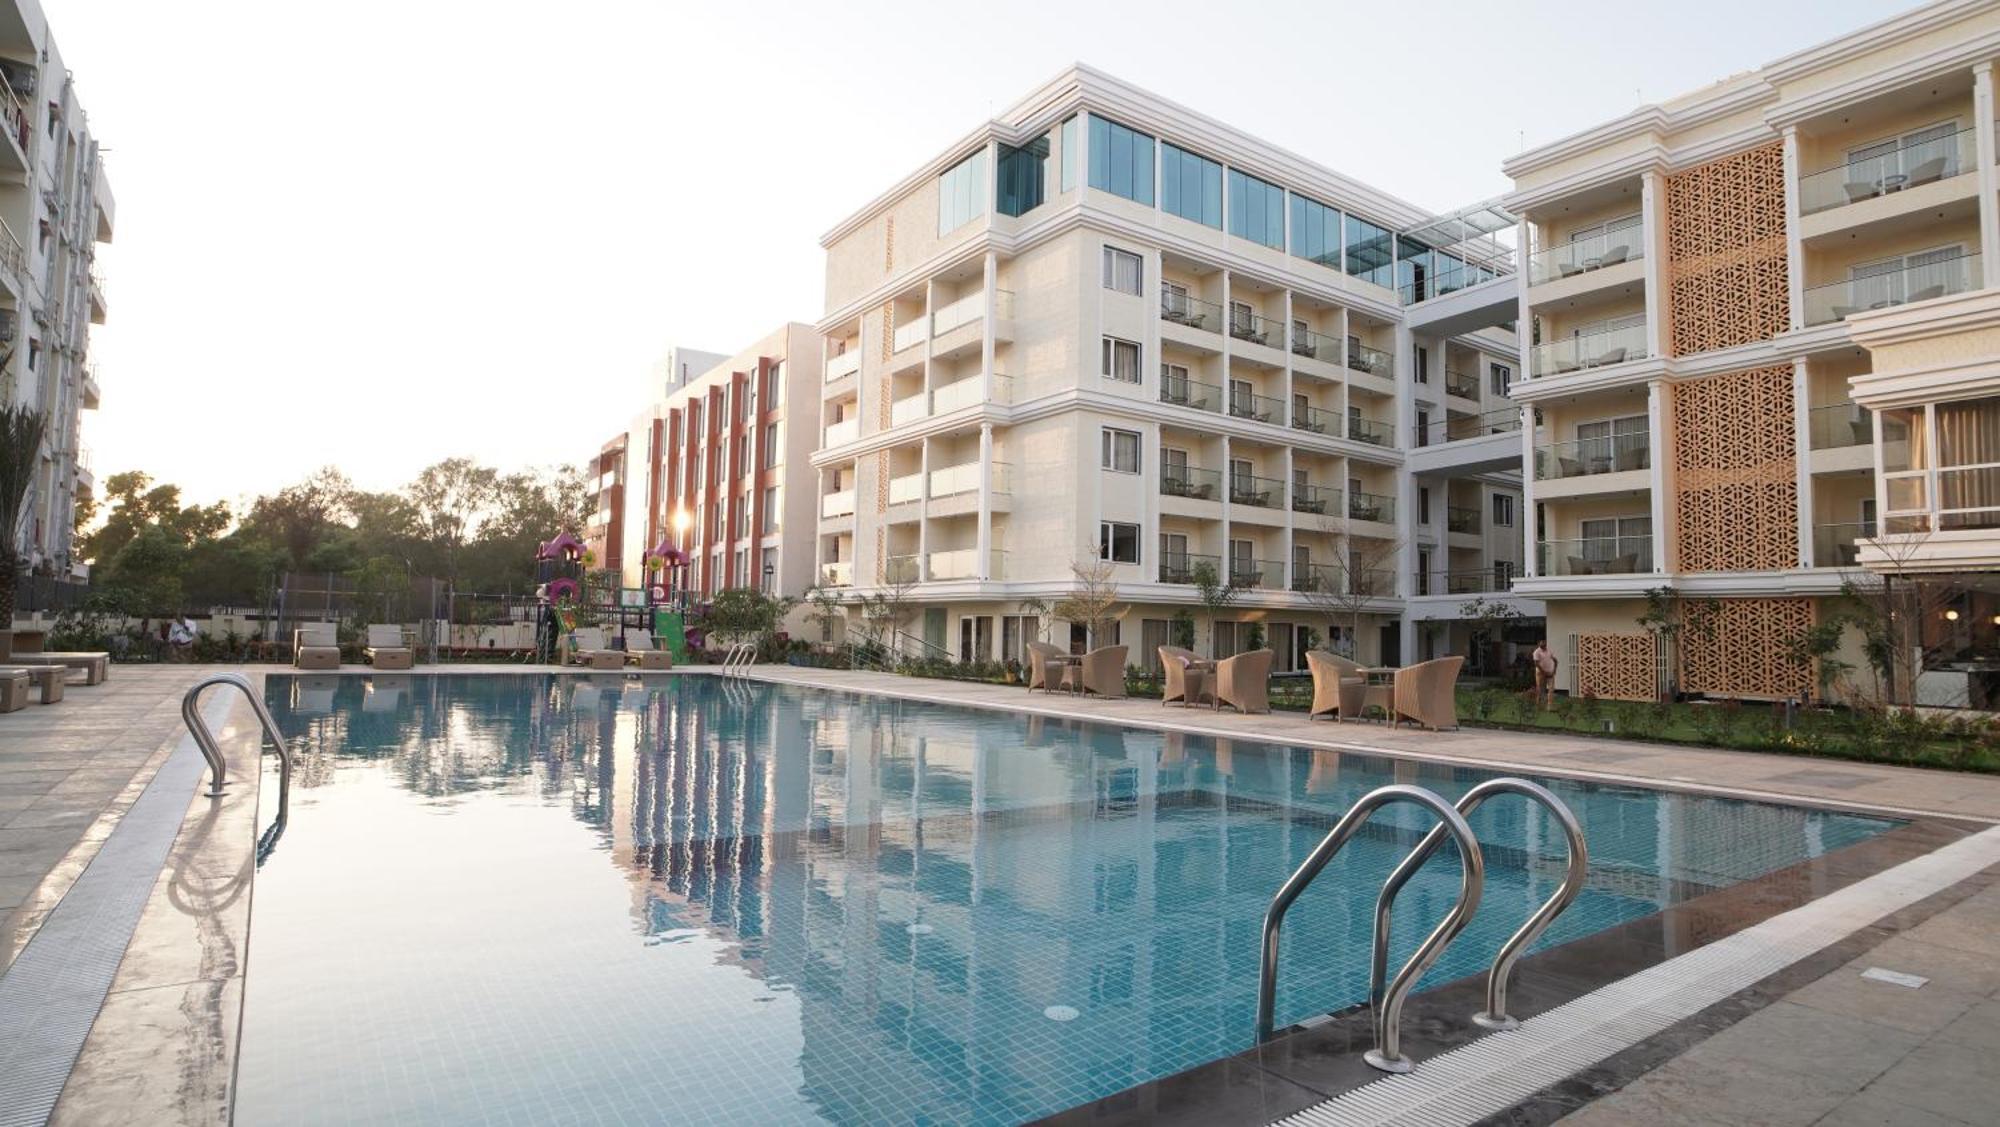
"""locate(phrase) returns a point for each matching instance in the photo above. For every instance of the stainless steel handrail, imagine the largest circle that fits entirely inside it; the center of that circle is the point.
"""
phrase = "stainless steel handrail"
(1389, 1005)
(1495, 1014)
(205, 739)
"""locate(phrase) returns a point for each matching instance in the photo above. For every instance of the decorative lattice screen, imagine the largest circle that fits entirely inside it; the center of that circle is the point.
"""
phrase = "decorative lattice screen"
(1616, 666)
(1727, 277)
(1744, 653)
(1734, 466)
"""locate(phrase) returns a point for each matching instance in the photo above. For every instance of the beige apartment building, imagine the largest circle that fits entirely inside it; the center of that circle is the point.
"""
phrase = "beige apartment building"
(1104, 326)
(1760, 325)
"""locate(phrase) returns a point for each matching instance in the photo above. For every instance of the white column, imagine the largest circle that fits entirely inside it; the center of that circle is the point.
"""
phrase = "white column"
(1989, 179)
(1656, 426)
(1524, 335)
(1223, 568)
(1525, 519)
(1802, 443)
(1795, 259)
(992, 283)
(1653, 223)
(984, 564)
(1291, 514)
(923, 505)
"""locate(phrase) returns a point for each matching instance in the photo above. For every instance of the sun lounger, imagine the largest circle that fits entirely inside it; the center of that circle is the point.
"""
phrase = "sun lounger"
(587, 648)
(387, 648)
(316, 645)
(639, 650)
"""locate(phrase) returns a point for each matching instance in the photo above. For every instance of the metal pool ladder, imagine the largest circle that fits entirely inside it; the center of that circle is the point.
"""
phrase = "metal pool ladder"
(205, 739)
(1387, 1001)
(739, 659)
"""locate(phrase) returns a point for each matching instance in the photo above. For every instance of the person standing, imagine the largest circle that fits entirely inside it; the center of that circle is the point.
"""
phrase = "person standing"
(181, 636)
(1544, 661)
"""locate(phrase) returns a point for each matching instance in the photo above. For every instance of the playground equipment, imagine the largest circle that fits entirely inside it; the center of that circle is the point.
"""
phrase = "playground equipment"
(567, 597)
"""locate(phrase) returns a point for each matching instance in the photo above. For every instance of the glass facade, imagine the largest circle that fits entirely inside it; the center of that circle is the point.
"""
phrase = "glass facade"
(1121, 161)
(1369, 254)
(1256, 210)
(1315, 232)
(1190, 186)
(1018, 180)
(1066, 137)
(962, 193)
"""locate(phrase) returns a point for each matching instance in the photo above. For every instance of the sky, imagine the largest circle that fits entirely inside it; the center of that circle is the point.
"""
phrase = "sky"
(378, 234)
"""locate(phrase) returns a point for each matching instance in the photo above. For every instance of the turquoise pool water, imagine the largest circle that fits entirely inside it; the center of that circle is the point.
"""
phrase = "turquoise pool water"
(546, 899)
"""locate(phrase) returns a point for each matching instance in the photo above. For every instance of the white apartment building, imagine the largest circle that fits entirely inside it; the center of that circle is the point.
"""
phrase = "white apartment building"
(55, 207)
(1768, 317)
(1104, 325)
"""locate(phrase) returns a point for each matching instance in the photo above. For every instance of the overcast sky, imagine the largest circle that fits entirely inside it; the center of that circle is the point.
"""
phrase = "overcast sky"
(375, 234)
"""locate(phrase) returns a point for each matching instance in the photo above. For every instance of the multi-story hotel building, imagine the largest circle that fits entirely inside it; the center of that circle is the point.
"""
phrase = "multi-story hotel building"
(1761, 328)
(604, 535)
(721, 467)
(1105, 326)
(55, 207)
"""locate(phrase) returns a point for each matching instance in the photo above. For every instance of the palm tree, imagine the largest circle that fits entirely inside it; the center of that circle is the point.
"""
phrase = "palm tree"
(21, 431)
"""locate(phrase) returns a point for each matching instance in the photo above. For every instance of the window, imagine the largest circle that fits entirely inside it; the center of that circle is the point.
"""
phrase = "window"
(1121, 450)
(1173, 468)
(1898, 156)
(1913, 277)
(1609, 445)
(1423, 365)
(1190, 186)
(771, 445)
(770, 570)
(770, 508)
(743, 457)
(1615, 544)
(1256, 210)
(1017, 630)
(1423, 506)
(1174, 555)
(1118, 542)
(742, 516)
(1370, 256)
(1124, 271)
(1503, 510)
(1019, 176)
(1315, 232)
(774, 384)
(962, 193)
(1500, 379)
(1503, 574)
(1423, 426)
(742, 567)
(1121, 360)
(1121, 161)
(1066, 138)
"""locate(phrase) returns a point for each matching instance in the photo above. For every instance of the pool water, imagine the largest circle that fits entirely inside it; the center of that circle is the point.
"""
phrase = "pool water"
(548, 899)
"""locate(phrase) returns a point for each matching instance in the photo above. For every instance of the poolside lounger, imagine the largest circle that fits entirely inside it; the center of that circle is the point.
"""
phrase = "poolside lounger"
(1338, 686)
(1243, 682)
(387, 649)
(13, 690)
(1102, 672)
(316, 645)
(1426, 693)
(587, 648)
(1184, 678)
(48, 678)
(640, 652)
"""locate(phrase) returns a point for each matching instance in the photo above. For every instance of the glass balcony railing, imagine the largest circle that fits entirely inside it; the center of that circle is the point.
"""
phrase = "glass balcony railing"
(1255, 328)
(1457, 428)
(907, 488)
(1309, 418)
(1372, 361)
(843, 432)
(1841, 424)
(1316, 500)
(1471, 582)
(907, 568)
(1377, 583)
(1457, 519)
(963, 563)
(1190, 482)
(1257, 408)
(844, 365)
(1893, 166)
(1315, 346)
(1190, 393)
(1371, 506)
(1370, 431)
(1836, 301)
(1183, 308)
(1834, 545)
(1603, 555)
(1592, 350)
(1260, 574)
(1256, 492)
(1616, 454)
(1594, 252)
(839, 504)
(1180, 567)
(1316, 577)
(1449, 280)
(838, 574)
(1461, 385)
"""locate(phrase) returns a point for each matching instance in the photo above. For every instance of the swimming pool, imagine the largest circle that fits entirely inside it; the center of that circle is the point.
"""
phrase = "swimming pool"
(540, 898)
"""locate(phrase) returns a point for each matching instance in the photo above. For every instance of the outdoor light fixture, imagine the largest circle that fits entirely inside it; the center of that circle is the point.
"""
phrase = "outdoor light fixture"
(681, 521)
(1951, 616)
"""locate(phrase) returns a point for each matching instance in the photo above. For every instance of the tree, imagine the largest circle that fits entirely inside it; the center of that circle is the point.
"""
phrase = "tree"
(21, 431)
(1359, 577)
(1671, 616)
(299, 518)
(1486, 619)
(1891, 609)
(739, 614)
(1038, 608)
(1215, 593)
(450, 500)
(1092, 601)
(826, 609)
(885, 611)
(147, 545)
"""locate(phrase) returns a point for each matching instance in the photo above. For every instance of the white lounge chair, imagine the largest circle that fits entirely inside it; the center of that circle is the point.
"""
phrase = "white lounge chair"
(387, 648)
(316, 645)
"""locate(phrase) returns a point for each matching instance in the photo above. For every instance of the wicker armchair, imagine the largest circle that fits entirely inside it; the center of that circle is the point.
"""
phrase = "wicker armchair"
(1178, 682)
(1243, 682)
(1338, 686)
(1103, 671)
(1426, 693)
(1038, 669)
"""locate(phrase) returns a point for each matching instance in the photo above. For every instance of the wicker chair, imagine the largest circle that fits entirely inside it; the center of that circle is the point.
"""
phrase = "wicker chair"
(1338, 686)
(1102, 672)
(1243, 682)
(1038, 669)
(1179, 683)
(1426, 693)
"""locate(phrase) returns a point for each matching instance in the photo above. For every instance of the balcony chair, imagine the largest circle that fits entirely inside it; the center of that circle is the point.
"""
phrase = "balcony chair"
(316, 645)
(1102, 671)
(1569, 467)
(640, 651)
(1925, 173)
(1338, 686)
(1580, 566)
(1243, 682)
(587, 648)
(1607, 357)
(1261, 498)
(47, 678)
(1038, 670)
(1927, 293)
(1614, 256)
(1626, 564)
(1631, 458)
(386, 648)
(1426, 694)
(1858, 190)
(1184, 676)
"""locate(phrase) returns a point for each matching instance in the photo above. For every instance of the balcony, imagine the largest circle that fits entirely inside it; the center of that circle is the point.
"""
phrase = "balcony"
(954, 481)
(1627, 244)
(1840, 424)
(1180, 567)
(1315, 421)
(1370, 431)
(1316, 578)
(1458, 428)
(1180, 308)
(839, 574)
(19, 123)
(1268, 575)
(1372, 507)
(1895, 166)
(1591, 350)
(1316, 500)
(1834, 544)
(1256, 492)
(1604, 555)
(1254, 328)
(1461, 520)
(1461, 385)
(907, 568)
(1372, 361)
(963, 563)
(842, 366)
(1836, 301)
(1373, 583)
(13, 256)
(907, 488)
(909, 409)
(966, 393)
(1315, 346)
(1257, 408)
(1190, 393)
(1187, 481)
(1474, 582)
(1617, 454)
(910, 334)
(839, 504)
(842, 433)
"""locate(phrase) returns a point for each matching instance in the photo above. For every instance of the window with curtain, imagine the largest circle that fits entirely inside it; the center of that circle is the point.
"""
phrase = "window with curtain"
(1124, 271)
(1118, 542)
(1612, 444)
(1968, 447)
(1256, 210)
(1121, 450)
(1315, 232)
(1121, 360)
(1121, 160)
(1018, 180)
(962, 193)
(1190, 185)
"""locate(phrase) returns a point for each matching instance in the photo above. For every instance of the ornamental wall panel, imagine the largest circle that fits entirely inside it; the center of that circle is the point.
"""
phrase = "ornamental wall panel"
(1617, 666)
(1733, 481)
(1727, 277)
(1742, 654)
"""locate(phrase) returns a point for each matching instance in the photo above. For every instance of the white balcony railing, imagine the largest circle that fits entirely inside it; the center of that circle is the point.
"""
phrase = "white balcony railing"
(909, 409)
(840, 574)
(964, 478)
(843, 432)
(909, 487)
(839, 504)
(842, 366)
(963, 563)
(910, 334)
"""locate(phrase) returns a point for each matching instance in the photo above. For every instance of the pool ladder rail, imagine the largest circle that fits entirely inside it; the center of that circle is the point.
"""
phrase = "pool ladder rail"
(1386, 1001)
(739, 659)
(205, 739)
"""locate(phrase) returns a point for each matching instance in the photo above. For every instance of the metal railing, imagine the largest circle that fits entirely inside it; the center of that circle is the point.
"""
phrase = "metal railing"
(1312, 419)
(739, 659)
(1315, 499)
(13, 255)
(1460, 519)
(1183, 308)
(1315, 346)
(1469, 582)
(1370, 431)
(1373, 361)
(1317, 577)
(1617, 453)
(1191, 482)
(1591, 350)
(1256, 574)
(1255, 328)
(1257, 408)
(1594, 252)
(205, 739)
(1457, 428)
(1909, 165)
(1836, 301)
(1371, 506)
(1461, 385)
(1180, 567)
(1840, 424)
(1600, 555)
(1190, 393)
(1257, 492)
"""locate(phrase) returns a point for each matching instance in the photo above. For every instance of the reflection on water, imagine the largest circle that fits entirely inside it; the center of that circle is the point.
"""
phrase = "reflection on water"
(580, 898)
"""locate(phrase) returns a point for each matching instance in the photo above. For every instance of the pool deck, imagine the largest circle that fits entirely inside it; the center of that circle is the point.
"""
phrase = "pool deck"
(1818, 1044)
